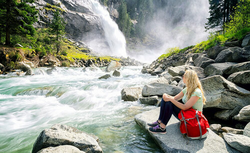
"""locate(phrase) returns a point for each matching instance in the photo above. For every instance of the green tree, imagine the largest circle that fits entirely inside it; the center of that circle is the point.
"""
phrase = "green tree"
(17, 18)
(57, 27)
(124, 21)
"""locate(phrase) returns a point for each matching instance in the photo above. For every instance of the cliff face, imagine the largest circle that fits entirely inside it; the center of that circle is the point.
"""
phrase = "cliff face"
(81, 22)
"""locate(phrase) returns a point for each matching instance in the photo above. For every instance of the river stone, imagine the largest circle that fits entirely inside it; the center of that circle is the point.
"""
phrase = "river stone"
(223, 94)
(214, 51)
(246, 131)
(215, 127)
(232, 130)
(177, 71)
(113, 65)
(65, 135)
(242, 77)
(244, 114)
(149, 100)
(203, 61)
(49, 60)
(217, 68)
(25, 68)
(232, 54)
(116, 73)
(238, 67)
(246, 41)
(131, 94)
(239, 142)
(173, 140)
(61, 149)
(106, 76)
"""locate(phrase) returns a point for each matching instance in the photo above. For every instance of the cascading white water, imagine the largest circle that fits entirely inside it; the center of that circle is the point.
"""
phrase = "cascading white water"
(71, 96)
(113, 35)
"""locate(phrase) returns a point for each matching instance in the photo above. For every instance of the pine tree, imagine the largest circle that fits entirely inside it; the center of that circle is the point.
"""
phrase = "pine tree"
(124, 21)
(17, 18)
(57, 27)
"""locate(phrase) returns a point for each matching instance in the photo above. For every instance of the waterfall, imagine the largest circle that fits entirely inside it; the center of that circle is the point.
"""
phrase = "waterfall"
(113, 35)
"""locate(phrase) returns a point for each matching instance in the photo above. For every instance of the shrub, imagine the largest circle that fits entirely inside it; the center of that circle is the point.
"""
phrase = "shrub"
(65, 63)
(64, 53)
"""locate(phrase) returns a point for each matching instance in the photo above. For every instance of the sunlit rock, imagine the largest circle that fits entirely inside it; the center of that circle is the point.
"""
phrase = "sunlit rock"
(61, 149)
(244, 114)
(131, 94)
(239, 142)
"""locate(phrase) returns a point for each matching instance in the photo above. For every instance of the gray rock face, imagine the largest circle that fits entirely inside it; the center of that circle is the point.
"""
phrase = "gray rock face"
(173, 140)
(215, 127)
(25, 68)
(239, 142)
(246, 41)
(244, 114)
(65, 135)
(177, 71)
(238, 67)
(232, 54)
(113, 65)
(246, 131)
(242, 77)
(149, 100)
(131, 94)
(224, 94)
(61, 149)
(217, 68)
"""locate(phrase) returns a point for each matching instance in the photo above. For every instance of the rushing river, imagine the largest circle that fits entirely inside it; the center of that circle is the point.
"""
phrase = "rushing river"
(71, 96)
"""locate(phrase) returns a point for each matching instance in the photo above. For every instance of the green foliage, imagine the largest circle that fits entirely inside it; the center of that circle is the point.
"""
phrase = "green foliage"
(17, 18)
(170, 52)
(64, 53)
(65, 63)
(41, 52)
(124, 21)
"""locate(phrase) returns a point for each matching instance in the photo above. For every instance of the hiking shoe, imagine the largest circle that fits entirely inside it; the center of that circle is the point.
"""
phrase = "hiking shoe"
(153, 124)
(157, 129)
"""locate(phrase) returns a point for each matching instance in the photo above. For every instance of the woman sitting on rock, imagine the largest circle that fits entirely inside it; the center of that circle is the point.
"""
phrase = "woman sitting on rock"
(192, 96)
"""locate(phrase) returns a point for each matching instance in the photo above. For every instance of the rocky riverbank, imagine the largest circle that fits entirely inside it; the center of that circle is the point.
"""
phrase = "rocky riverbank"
(224, 73)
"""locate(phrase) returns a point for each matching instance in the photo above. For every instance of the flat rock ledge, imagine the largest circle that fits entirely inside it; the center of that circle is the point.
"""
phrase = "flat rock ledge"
(173, 140)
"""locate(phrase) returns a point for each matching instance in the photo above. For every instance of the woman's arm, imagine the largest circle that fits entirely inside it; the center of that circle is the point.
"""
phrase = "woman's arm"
(185, 106)
(177, 97)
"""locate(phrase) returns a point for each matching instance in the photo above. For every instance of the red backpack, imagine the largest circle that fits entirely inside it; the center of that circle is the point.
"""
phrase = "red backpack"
(193, 123)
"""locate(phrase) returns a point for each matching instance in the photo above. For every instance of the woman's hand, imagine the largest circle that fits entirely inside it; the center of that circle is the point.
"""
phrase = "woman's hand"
(167, 97)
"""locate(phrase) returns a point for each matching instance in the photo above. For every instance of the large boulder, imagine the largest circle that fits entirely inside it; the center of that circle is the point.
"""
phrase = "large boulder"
(227, 114)
(116, 73)
(232, 54)
(244, 114)
(49, 60)
(131, 94)
(158, 87)
(246, 131)
(149, 100)
(173, 140)
(246, 41)
(237, 67)
(61, 149)
(217, 68)
(106, 76)
(203, 61)
(239, 142)
(59, 135)
(25, 68)
(223, 94)
(180, 70)
(241, 78)
(214, 51)
(113, 65)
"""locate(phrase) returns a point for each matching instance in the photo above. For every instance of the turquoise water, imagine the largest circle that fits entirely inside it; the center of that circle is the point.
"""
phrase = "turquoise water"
(71, 96)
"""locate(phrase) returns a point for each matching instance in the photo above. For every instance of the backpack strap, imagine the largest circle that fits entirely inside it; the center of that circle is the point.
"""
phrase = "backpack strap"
(197, 117)
(185, 122)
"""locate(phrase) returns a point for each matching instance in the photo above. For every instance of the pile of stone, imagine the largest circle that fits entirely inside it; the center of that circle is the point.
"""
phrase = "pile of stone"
(225, 76)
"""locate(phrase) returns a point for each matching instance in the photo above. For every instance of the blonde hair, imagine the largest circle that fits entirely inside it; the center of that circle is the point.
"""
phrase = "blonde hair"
(193, 82)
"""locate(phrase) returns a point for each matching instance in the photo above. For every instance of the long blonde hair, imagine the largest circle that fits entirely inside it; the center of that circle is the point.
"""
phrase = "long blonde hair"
(193, 82)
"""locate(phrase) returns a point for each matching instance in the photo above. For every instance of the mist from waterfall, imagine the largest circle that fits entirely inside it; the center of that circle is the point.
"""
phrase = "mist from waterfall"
(114, 37)
(179, 24)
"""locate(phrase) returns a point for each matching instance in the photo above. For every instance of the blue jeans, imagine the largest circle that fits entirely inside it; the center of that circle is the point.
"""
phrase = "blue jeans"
(166, 111)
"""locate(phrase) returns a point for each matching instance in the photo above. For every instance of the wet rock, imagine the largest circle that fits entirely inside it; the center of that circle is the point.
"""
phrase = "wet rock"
(113, 66)
(59, 135)
(244, 114)
(246, 131)
(25, 68)
(131, 94)
(239, 142)
(49, 60)
(221, 93)
(173, 140)
(217, 68)
(61, 149)
(149, 100)
(106, 76)
(116, 73)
